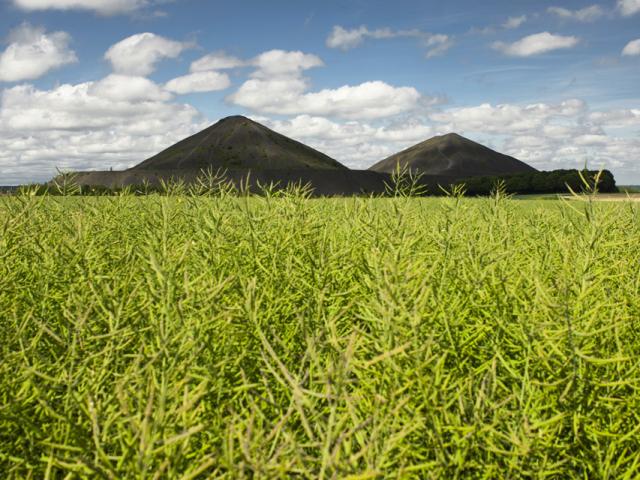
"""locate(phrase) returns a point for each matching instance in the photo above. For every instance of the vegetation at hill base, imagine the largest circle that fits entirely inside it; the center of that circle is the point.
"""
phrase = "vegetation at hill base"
(555, 181)
(181, 336)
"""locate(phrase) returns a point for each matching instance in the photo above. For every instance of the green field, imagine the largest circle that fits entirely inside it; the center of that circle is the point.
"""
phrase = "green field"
(192, 337)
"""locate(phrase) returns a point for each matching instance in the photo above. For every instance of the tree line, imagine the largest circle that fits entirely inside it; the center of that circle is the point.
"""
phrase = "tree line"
(555, 181)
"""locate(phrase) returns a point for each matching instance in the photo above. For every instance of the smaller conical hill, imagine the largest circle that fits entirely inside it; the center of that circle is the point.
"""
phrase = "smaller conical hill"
(453, 156)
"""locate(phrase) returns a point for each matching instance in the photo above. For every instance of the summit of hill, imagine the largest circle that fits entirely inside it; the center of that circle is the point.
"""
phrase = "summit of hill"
(239, 143)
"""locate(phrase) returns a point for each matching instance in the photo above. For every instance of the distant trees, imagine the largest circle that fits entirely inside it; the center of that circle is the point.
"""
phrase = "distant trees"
(556, 181)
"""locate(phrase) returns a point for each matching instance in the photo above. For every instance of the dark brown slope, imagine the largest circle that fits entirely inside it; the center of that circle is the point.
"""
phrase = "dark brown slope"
(238, 143)
(454, 156)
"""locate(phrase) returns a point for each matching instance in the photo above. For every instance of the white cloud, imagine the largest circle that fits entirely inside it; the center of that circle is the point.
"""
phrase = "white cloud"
(307, 126)
(587, 14)
(123, 88)
(345, 39)
(632, 48)
(32, 52)
(368, 100)
(508, 118)
(277, 86)
(81, 106)
(629, 7)
(287, 97)
(437, 45)
(594, 150)
(277, 63)
(620, 118)
(514, 22)
(216, 61)
(199, 82)
(270, 96)
(89, 125)
(138, 54)
(103, 7)
(536, 44)
(268, 65)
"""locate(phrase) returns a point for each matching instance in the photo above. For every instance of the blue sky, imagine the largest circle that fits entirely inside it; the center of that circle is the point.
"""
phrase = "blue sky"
(95, 84)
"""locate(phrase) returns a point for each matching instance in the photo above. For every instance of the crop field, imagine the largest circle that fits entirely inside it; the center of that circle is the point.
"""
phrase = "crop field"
(283, 337)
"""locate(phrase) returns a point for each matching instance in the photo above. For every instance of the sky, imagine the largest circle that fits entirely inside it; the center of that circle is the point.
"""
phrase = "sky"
(101, 84)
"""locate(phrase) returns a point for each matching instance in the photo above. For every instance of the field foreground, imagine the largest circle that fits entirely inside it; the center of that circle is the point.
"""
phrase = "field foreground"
(188, 337)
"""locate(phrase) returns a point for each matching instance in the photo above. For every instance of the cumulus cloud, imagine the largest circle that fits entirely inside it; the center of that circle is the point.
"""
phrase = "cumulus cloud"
(536, 44)
(632, 48)
(277, 86)
(83, 106)
(32, 52)
(216, 61)
(619, 118)
(508, 118)
(103, 7)
(346, 39)
(587, 14)
(514, 22)
(287, 97)
(273, 63)
(139, 54)
(91, 125)
(628, 7)
(277, 63)
(307, 126)
(594, 150)
(199, 82)
(124, 88)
